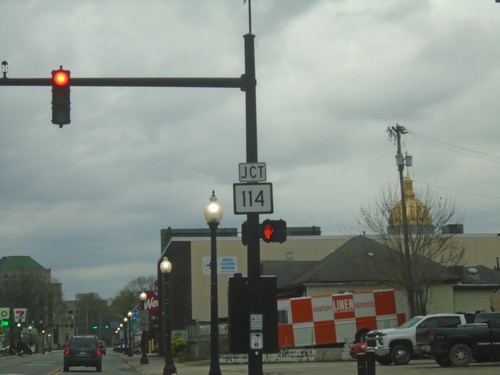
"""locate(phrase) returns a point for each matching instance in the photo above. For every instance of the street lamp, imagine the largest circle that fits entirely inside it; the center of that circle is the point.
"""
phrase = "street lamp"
(144, 358)
(129, 314)
(19, 346)
(169, 368)
(43, 341)
(213, 216)
(30, 337)
(127, 344)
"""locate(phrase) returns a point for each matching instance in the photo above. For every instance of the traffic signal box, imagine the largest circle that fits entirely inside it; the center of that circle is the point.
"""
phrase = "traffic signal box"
(273, 230)
(61, 97)
(239, 317)
(270, 231)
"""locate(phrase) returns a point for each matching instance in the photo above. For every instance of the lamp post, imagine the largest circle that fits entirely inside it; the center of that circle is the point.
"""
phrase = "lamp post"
(120, 337)
(127, 344)
(169, 368)
(130, 352)
(30, 337)
(144, 358)
(213, 216)
(19, 350)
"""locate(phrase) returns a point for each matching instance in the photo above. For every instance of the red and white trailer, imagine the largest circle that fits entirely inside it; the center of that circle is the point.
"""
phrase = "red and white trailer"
(331, 319)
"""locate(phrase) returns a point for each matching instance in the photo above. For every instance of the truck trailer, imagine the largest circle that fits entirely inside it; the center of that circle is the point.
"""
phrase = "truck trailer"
(328, 320)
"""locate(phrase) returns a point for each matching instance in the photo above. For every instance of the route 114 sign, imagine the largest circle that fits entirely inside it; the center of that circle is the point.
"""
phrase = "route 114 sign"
(253, 198)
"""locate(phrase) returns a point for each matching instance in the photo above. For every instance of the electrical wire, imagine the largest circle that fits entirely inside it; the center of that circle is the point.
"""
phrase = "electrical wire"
(457, 149)
(457, 191)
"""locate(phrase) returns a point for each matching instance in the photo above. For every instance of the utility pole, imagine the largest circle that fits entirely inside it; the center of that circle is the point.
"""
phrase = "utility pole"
(396, 132)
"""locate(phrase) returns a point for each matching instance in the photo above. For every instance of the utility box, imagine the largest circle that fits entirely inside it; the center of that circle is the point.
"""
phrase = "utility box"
(239, 318)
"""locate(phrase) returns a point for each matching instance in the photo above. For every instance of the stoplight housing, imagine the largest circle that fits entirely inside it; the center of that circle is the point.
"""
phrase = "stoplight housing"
(61, 97)
(5, 323)
(273, 230)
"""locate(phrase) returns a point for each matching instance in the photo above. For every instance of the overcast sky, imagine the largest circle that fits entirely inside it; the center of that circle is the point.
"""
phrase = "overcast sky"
(89, 200)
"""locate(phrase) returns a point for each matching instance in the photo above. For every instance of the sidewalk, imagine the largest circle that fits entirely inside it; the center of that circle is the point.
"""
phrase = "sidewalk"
(156, 363)
(415, 367)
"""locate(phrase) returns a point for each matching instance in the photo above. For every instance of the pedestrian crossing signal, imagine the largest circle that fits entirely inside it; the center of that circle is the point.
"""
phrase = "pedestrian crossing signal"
(273, 230)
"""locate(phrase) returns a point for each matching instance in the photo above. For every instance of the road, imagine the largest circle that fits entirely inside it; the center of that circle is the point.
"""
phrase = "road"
(114, 364)
(52, 364)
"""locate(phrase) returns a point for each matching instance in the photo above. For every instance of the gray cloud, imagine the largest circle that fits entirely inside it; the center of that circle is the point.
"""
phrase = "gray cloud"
(88, 201)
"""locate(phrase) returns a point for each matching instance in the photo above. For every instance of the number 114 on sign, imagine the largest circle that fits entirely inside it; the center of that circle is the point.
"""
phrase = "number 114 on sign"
(253, 198)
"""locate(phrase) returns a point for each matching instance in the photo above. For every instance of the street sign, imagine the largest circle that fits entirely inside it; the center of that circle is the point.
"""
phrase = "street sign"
(256, 340)
(5, 313)
(253, 198)
(20, 314)
(135, 314)
(252, 172)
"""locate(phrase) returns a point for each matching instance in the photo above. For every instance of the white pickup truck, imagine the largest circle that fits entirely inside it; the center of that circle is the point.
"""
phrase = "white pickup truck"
(399, 345)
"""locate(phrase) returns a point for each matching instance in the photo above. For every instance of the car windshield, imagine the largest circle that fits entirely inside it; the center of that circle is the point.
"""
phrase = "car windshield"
(83, 341)
(411, 322)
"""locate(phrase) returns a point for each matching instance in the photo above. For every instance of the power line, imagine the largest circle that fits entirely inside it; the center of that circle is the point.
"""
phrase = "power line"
(457, 149)
(458, 191)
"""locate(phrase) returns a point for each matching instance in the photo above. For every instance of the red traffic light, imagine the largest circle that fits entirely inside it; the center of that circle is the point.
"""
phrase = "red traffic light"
(60, 77)
(61, 105)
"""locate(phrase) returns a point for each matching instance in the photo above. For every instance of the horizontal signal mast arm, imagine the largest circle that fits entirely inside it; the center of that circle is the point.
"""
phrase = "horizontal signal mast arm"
(132, 82)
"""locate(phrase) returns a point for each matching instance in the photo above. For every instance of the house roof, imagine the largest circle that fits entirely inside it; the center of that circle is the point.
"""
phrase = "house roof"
(19, 262)
(286, 271)
(476, 275)
(360, 259)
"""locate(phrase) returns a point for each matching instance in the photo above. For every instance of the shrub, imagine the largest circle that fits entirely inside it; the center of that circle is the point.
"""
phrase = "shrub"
(178, 346)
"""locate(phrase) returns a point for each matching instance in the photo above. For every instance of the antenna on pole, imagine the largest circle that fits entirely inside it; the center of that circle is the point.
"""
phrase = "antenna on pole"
(249, 15)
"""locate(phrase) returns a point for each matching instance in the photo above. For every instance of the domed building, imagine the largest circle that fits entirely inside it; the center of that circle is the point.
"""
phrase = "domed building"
(418, 215)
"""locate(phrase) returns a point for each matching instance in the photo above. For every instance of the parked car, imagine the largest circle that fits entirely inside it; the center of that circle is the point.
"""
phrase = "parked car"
(83, 351)
(356, 348)
(475, 341)
(102, 345)
(120, 348)
(399, 345)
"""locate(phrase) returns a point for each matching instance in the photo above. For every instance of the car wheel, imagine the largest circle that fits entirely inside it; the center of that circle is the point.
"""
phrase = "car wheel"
(443, 361)
(66, 368)
(460, 355)
(384, 361)
(400, 355)
(98, 368)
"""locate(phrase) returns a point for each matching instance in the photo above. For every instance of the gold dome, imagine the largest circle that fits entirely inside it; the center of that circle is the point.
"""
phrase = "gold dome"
(417, 213)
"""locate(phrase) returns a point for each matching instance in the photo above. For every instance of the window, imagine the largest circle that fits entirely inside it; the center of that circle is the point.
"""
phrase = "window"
(450, 321)
(282, 317)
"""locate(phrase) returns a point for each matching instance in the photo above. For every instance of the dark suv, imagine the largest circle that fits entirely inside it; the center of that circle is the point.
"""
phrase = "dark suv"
(83, 351)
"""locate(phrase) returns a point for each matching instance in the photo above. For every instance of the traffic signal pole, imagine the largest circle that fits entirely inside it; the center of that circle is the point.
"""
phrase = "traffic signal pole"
(253, 226)
(131, 82)
(247, 83)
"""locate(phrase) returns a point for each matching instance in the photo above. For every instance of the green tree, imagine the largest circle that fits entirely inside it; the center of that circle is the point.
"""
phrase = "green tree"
(128, 296)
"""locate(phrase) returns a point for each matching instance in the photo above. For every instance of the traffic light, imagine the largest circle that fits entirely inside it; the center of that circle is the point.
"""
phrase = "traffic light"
(60, 97)
(273, 230)
(94, 326)
(5, 323)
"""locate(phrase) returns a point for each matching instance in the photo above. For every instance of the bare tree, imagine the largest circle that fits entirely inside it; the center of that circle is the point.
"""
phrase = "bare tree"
(431, 247)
